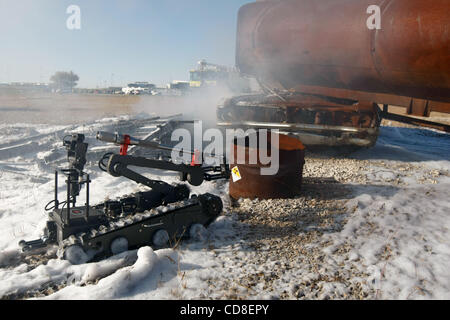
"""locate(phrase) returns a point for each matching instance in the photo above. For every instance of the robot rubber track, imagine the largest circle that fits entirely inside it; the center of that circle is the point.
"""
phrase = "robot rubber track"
(160, 227)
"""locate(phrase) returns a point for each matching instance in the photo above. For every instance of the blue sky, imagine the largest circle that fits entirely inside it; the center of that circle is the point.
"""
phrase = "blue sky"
(120, 41)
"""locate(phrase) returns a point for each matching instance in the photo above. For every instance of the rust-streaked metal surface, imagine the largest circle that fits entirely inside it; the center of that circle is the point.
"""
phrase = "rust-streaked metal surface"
(382, 98)
(326, 43)
(285, 184)
(315, 119)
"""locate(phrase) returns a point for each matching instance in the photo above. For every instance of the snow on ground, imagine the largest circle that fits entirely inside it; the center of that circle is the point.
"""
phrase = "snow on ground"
(386, 236)
(405, 225)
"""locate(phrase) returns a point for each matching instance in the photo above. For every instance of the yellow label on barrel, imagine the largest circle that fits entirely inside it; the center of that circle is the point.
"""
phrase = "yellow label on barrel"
(236, 174)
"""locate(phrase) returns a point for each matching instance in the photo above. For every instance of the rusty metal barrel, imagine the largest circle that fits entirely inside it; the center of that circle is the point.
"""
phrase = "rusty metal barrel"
(328, 43)
(247, 180)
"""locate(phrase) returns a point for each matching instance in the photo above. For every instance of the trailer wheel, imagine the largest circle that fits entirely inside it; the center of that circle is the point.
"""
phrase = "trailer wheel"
(161, 238)
(75, 255)
(198, 232)
(119, 245)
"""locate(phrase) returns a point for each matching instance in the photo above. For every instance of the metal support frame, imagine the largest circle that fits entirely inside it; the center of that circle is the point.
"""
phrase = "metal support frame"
(413, 121)
(88, 181)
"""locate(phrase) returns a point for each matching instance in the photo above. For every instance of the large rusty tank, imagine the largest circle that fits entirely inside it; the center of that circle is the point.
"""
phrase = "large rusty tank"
(327, 50)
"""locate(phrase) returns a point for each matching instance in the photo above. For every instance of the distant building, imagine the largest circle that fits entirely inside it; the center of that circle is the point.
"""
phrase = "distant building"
(26, 87)
(179, 85)
(144, 85)
(214, 75)
(115, 90)
(139, 88)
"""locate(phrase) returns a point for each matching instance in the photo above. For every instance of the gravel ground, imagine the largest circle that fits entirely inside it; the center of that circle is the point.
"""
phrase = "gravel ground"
(284, 237)
(281, 240)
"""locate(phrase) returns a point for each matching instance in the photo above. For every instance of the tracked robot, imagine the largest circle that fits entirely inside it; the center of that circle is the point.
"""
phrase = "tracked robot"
(160, 217)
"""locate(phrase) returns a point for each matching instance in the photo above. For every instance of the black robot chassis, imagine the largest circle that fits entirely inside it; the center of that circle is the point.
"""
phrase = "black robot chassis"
(159, 218)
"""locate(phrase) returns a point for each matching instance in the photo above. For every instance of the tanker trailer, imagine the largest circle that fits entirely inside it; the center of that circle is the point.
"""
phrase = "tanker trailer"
(325, 67)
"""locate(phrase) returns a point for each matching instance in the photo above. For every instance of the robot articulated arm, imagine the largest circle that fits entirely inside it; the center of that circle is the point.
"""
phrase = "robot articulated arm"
(117, 165)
